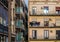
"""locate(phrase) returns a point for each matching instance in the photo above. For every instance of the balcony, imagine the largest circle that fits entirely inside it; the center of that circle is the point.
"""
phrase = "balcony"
(34, 23)
(4, 2)
(19, 36)
(43, 39)
(19, 10)
(44, 14)
(39, 25)
(3, 29)
(19, 24)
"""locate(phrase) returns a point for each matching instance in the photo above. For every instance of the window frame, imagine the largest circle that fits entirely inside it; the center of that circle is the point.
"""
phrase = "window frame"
(34, 10)
(46, 10)
(34, 35)
(46, 32)
(57, 10)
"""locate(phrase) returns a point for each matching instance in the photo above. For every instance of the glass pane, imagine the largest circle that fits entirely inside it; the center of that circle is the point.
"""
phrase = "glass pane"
(46, 9)
(46, 34)
(34, 10)
(34, 34)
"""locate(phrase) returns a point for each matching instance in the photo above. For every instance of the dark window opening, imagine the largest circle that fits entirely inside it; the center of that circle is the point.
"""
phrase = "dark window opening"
(58, 34)
(46, 23)
(57, 10)
(34, 23)
(34, 34)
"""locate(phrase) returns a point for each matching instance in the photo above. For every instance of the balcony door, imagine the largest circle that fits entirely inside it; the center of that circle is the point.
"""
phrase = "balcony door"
(46, 23)
(58, 34)
(46, 9)
(46, 34)
(57, 10)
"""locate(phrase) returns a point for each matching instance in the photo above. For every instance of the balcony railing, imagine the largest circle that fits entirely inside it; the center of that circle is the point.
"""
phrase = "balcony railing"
(42, 38)
(19, 10)
(55, 40)
(3, 29)
(19, 24)
(39, 25)
(34, 23)
(19, 36)
(45, 14)
(5, 2)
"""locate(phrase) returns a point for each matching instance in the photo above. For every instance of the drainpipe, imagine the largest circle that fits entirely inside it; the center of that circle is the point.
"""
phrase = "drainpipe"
(9, 22)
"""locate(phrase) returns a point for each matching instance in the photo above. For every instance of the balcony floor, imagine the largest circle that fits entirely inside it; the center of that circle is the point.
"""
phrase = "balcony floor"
(44, 40)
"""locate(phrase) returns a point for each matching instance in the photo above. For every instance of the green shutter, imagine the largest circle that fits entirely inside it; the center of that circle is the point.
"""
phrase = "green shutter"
(17, 10)
(18, 23)
(21, 9)
(18, 36)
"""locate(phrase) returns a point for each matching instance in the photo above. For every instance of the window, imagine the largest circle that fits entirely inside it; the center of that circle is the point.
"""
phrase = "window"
(57, 10)
(21, 9)
(4, 22)
(46, 9)
(34, 34)
(19, 23)
(46, 34)
(46, 21)
(18, 10)
(33, 10)
(5, 31)
(57, 22)
(1, 30)
(58, 34)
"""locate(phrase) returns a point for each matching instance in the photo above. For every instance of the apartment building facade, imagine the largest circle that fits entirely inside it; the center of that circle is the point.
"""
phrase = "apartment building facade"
(44, 21)
(20, 20)
(12, 16)
(3, 21)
